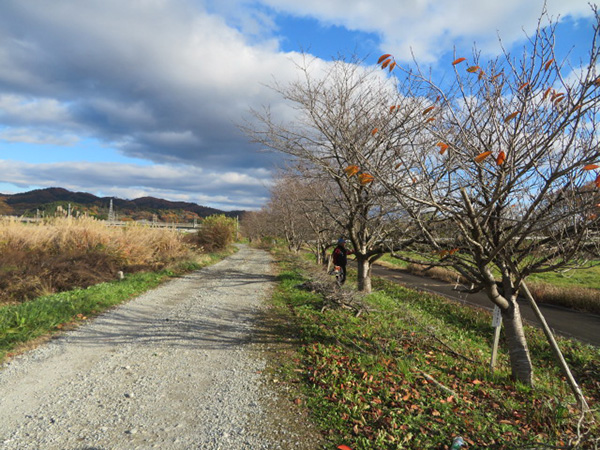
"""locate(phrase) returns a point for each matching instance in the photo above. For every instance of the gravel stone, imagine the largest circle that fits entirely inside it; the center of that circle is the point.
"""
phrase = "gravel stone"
(176, 368)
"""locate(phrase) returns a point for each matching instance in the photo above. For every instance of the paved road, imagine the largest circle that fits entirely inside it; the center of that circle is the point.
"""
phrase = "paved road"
(582, 326)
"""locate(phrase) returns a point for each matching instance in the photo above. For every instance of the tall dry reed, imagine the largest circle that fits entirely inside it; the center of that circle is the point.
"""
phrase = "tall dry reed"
(60, 254)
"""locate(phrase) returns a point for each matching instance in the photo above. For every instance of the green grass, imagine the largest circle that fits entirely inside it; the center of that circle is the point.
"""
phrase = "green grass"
(25, 322)
(365, 379)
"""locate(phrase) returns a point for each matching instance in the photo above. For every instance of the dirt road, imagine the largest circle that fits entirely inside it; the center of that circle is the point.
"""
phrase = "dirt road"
(180, 367)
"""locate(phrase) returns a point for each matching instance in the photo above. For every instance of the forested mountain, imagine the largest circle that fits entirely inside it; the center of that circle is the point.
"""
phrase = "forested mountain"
(55, 201)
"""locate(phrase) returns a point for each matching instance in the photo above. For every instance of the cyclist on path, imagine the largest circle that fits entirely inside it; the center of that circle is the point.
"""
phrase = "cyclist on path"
(340, 257)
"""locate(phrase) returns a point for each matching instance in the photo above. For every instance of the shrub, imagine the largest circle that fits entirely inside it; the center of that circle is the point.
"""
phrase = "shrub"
(216, 232)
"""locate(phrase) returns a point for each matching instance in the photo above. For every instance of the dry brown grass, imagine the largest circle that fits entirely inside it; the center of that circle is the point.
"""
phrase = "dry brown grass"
(61, 254)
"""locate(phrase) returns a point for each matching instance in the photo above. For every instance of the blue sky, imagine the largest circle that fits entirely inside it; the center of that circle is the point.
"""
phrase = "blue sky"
(144, 98)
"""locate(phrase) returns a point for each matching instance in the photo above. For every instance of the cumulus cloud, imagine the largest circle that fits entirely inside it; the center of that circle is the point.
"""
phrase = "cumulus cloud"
(429, 28)
(168, 81)
(162, 79)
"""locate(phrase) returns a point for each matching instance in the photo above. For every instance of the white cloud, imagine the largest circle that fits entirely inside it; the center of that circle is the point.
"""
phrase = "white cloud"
(432, 27)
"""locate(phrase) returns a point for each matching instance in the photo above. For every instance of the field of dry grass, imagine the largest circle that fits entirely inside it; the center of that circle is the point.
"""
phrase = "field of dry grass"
(60, 254)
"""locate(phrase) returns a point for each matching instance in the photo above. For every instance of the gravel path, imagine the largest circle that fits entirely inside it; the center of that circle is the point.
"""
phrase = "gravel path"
(176, 368)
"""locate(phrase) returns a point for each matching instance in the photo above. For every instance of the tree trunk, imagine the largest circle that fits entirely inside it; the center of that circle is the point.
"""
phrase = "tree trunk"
(364, 274)
(559, 356)
(520, 360)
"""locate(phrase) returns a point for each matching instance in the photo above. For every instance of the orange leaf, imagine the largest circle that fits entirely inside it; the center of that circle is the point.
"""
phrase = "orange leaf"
(392, 65)
(481, 75)
(397, 166)
(510, 117)
(590, 167)
(392, 108)
(501, 157)
(365, 178)
(476, 381)
(431, 119)
(548, 64)
(597, 81)
(482, 156)
(443, 147)
(386, 63)
(383, 58)
(524, 85)
(473, 69)
(496, 76)
(597, 181)
(343, 447)
(374, 132)
(547, 92)
(351, 170)
(426, 110)
(458, 61)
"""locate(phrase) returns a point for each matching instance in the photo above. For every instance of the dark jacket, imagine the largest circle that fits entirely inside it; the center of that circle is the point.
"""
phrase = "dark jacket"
(340, 256)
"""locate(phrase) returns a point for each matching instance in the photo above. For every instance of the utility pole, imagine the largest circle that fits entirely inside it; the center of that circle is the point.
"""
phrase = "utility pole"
(111, 212)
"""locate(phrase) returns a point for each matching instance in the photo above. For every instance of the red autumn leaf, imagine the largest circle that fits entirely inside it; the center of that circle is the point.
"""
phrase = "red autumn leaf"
(547, 92)
(298, 401)
(365, 178)
(351, 170)
(458, 61)
(597, 182)
(501, 157)
(510, 117)
(481, 75)
(473, 69)
(392, 108)
(479, 158)
(476, 382)
(590, 166)
(443, 147)
(597, 81)
(392, 65)
(383, 58)
(374, 132)
(548, 64)
(397, 165)
(426, 110)
(431, 119)
(343, 447)
(496, 76)
(386, 63)
(524, 85)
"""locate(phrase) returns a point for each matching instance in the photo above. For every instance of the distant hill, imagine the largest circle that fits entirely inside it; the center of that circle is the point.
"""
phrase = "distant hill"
(56, 201)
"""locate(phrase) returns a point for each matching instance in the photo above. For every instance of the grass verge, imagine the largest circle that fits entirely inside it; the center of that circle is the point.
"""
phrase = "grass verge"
(23, 325)
(412, 373)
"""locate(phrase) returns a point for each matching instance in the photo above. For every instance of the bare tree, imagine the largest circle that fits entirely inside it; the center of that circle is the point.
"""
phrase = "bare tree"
(503, 181)
(339, 123)
(255, 225)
